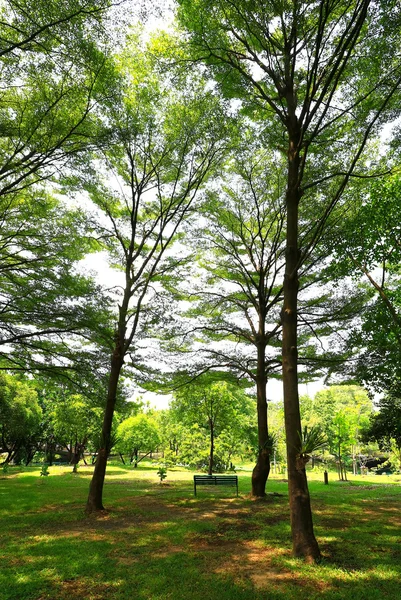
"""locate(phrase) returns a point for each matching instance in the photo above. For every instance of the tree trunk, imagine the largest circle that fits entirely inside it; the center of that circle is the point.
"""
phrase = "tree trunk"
(261, 470)
(11, 454)
(29, 457)
(49, 452)
(76, 456)
(95, 497)
(303, 538)
(70, 453)
(211, 455)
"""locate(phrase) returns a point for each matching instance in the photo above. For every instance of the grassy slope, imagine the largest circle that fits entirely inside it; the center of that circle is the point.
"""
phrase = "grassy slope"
(157, 542)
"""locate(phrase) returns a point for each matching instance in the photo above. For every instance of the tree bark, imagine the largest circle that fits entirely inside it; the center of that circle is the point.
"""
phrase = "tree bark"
(95, 497)
(261, 470)
(211, 455)
(303, 539)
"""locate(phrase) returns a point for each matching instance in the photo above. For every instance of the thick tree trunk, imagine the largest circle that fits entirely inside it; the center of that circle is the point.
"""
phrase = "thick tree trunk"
(95, 497)
(303, 539)
(261, 471)
(211, 455)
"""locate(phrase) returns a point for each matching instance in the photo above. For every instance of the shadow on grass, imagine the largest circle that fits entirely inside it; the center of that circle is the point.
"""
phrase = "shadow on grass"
(161, 543)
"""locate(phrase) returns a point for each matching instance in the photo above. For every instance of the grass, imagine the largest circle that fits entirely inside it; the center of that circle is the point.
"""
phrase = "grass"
(158, 542)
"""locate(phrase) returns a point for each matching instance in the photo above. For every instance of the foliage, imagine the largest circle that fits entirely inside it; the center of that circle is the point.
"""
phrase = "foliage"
(52, 73)
(311, 440)
(44, 471)
(195, 448)
(20, 417)
(219, 409)
(75, 424)
(137, 434)
(234, 299)
(385, 427)
(342, 413)
(366, 246)
(49, 310)
(162, 473)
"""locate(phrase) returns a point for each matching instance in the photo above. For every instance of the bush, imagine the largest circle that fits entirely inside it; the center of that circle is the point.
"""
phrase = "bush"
(162, 473)
(45, 470)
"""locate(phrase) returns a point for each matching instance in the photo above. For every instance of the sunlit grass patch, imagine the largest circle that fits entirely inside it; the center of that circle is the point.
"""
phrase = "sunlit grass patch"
(160, 542)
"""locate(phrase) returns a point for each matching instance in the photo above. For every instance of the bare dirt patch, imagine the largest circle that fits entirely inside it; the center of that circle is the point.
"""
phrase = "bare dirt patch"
(78, 588)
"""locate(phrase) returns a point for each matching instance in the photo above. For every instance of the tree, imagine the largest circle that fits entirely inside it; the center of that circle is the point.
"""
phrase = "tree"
(235, 303)
(342, 412)
(137, 434)
(321, 78)
(52, 68)
(366, 246)
(163, 145)
(20, 418)
(53, 73)
(385, 427)
(75, 424)
(210, 404)
(234, 317)
(172, 434)
(49, 310)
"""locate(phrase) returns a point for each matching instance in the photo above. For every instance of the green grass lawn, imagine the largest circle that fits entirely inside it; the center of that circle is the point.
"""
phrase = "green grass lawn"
(157, 542)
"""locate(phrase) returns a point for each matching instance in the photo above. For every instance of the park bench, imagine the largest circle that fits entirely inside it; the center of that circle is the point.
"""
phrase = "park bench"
(231, 480)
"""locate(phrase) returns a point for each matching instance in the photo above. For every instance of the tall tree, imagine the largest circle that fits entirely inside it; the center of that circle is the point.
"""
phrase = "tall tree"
(164, 143)
(321, 77)
(234, 318)
(236, 302)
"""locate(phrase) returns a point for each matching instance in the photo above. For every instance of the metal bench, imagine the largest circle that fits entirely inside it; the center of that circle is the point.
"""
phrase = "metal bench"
(231, 480)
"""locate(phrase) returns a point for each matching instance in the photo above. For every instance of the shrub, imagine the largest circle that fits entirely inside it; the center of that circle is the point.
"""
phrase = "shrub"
(45, 470)
(162, 473)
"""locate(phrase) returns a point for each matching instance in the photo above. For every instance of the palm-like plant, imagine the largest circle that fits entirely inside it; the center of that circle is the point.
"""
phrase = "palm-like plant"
(311, 440)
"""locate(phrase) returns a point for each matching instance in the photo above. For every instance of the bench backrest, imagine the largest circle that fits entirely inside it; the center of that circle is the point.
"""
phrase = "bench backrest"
(216, 479)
